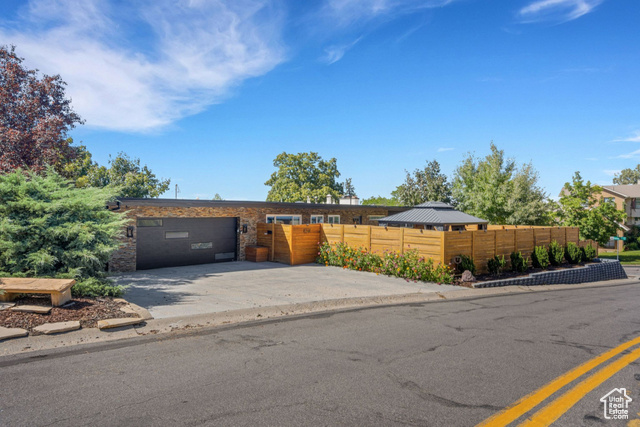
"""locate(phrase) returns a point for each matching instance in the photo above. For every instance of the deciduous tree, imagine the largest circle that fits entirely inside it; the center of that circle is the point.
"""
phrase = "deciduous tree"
(35, 117)
(381, 201)
(127, 175)
(583, 206)
(627, 176)
(303, 175)
(424, 185)
(495, 189)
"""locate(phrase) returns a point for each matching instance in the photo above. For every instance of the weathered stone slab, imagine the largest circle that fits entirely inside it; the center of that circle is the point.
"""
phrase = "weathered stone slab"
(40, 309)
(8, 333)
(136, 309)
(116, 323)
(5, 305)
(58, 327)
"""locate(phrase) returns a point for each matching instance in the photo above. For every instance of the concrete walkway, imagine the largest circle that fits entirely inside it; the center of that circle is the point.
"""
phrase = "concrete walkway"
(213, 288)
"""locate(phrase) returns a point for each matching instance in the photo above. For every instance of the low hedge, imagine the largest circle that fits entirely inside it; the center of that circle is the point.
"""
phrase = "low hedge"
(409, 266)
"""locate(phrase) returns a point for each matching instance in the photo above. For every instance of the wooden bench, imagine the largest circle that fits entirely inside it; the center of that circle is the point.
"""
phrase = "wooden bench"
(59, 289)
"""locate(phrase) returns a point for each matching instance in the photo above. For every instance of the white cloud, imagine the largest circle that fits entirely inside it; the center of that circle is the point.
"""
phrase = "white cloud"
(336, 52)
(193, 53)
(443, 149)
(634, 138)
(346, 12)
(631, 155)
(556, 10)
(612, 172)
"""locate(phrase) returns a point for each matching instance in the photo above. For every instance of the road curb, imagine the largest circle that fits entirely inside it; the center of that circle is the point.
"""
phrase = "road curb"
(252, 315)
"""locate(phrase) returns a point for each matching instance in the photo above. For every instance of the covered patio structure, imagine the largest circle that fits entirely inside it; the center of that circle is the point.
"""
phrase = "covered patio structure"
(437, 216)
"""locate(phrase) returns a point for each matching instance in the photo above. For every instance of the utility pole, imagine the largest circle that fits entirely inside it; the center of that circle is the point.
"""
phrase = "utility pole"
(177, 190)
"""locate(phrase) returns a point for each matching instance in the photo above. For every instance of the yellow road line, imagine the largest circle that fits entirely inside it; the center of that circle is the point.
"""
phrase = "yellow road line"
(530, 401)
(558, 407)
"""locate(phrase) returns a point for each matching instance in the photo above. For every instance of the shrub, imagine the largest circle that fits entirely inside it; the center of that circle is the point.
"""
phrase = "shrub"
(540, 257)
(556, 253)
(467, 264)
(51, 229)
(519, 264)
(409, 266)
(94, 287)
(573, 254)
(496, 265)
(633, 246)
(588, 253)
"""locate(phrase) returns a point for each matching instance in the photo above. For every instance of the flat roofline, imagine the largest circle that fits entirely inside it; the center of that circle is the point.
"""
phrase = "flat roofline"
(248, 203)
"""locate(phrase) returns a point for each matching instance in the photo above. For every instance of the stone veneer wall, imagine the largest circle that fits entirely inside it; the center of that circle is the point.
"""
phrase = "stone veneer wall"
(604, 269)
(125, 258)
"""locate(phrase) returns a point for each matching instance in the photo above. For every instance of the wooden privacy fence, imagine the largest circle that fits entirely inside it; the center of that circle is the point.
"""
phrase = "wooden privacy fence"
(290, 244)
(298, 244)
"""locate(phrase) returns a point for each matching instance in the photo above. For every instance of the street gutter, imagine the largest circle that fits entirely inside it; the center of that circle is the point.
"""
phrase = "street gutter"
(32, 348)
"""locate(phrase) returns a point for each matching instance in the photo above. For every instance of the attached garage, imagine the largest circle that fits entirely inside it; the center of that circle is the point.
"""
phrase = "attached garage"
(171, 242)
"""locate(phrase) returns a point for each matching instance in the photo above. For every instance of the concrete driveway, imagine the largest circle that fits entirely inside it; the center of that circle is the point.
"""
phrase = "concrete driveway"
(210, 288)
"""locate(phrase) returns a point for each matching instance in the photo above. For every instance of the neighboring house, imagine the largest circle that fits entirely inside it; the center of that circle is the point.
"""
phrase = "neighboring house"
(435, 216)
(170, 232)
(627, 199)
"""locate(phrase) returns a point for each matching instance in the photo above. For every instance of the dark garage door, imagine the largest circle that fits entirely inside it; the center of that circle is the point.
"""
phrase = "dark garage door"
(169, 242)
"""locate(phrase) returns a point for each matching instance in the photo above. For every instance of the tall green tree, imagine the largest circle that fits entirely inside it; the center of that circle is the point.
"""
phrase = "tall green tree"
(35, 116)
(51, 228)
(495, 189)
(303, 175)
(424, 185)
(380, 201)
(126, 174)
(583, 206)
(627, 176)
(349, 189)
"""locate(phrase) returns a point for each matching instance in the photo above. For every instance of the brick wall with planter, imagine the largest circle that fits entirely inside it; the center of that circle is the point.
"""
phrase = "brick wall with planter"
(602, 269)
(249, 214)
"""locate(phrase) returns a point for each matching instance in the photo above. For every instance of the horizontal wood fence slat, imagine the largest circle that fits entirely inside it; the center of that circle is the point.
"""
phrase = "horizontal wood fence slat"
(298, 244)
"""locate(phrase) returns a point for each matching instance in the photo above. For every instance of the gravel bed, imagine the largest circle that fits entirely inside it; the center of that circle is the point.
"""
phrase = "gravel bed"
(87, 310)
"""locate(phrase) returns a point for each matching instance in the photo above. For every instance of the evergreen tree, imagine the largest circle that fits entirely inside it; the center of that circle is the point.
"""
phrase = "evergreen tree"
(50, 228)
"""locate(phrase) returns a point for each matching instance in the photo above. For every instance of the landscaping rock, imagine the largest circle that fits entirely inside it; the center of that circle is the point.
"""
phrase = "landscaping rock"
(58, 327)
(136, 309)
(40, 309)
(116, 323)
(5, 305)
(8, 333)
(468, 277)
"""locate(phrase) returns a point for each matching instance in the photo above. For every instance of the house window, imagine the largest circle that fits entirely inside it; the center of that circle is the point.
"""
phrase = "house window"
(176, 235)
(333, 219)
(375, 217)
(317, 219)
(609, 199)
(284, 219)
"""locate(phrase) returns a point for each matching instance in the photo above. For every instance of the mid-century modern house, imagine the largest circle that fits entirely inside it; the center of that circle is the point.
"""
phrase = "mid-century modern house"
(170, 232)
(434, 216)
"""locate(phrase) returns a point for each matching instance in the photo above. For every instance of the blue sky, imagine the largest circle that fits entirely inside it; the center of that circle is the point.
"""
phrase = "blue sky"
(208, 92)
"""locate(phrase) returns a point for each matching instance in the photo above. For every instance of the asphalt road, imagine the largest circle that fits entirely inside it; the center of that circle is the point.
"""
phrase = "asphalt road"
(441, 364)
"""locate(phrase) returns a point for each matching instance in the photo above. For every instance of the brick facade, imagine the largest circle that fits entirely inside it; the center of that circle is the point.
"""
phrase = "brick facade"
(249, 214)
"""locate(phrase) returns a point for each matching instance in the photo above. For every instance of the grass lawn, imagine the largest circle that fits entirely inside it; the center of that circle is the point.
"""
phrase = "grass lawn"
(627, 257)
